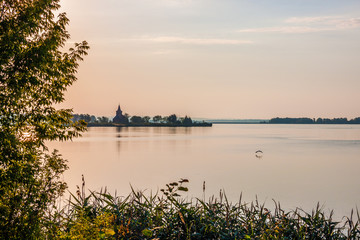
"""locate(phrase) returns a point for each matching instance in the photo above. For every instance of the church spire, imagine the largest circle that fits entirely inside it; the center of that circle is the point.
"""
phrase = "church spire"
(119, 118)
(118, 111)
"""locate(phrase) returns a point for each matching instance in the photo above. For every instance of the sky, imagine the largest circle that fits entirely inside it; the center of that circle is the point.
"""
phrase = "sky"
(237, 59)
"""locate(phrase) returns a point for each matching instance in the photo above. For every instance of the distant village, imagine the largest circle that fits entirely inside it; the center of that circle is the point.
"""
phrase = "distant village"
(125, 119)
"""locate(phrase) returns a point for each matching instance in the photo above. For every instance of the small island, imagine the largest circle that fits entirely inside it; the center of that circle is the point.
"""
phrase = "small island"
(125, 120)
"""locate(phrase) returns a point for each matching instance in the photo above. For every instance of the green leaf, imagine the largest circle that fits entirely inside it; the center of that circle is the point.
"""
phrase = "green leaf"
(184, 189)
(147, 232)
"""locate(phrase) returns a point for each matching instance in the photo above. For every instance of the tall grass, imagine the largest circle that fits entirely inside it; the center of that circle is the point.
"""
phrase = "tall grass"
(167, 215)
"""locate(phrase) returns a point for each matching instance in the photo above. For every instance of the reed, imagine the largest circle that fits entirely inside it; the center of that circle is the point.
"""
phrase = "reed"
(167, 215)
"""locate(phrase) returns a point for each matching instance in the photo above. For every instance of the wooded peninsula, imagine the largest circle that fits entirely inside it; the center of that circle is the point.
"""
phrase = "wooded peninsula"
(138, 121)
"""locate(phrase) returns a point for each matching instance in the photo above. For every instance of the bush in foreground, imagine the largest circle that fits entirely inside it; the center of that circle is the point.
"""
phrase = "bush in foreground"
(168, 216)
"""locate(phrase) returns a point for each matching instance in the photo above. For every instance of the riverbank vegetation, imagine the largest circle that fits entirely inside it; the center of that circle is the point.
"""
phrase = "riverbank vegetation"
(168, 215)
(139, 121)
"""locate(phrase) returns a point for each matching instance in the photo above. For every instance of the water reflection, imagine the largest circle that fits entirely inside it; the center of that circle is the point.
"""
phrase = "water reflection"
(172, 130)
(118, 147)
(118, 130)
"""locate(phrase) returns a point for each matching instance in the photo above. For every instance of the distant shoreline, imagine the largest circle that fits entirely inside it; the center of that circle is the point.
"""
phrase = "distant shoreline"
(277, 120)
(268, 123)
(209, 124)
(201, 124)
(237, 123)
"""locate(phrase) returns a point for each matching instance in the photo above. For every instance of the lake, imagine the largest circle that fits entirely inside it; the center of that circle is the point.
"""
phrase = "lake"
(300, 164)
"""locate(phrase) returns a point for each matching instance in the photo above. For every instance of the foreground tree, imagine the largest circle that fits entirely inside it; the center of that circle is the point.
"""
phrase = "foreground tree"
(34, 74)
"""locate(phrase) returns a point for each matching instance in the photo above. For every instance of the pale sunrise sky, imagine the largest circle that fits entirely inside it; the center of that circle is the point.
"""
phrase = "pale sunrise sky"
(217, 58)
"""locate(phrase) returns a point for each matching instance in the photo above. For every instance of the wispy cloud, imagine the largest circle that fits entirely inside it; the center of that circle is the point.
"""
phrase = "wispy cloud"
(337, 22)
(169, 39)
(309, 25)
(195, 41)
(312, 20)
(283, 30)
(175, 2)
(165, 52)
(347, 23)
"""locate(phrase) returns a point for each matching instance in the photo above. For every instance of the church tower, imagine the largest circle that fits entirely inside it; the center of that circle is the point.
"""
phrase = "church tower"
(120, 118)
(118, 111)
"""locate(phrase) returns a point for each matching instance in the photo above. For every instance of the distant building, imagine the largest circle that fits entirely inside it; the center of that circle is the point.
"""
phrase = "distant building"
(120, 118)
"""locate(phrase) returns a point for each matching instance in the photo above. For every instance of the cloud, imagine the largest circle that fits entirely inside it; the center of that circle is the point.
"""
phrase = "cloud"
(196, 41)
(309, 25)
(348, 23)
(176, 2)
(337, 22)
(283, 30)
(311, 20)
(165, 52)
(169, 39)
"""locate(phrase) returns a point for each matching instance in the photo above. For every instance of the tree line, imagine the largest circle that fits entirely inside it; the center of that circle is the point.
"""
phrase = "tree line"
(158, 120)
(314, 121)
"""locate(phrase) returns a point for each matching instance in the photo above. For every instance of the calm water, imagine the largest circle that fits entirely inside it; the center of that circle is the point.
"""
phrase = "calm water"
(301, 164)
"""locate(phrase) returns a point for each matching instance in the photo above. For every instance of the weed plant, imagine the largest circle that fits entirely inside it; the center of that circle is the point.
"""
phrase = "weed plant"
(166, 215)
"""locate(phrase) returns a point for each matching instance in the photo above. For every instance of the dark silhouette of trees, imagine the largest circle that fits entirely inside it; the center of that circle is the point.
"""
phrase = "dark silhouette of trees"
(172, 119)
(157, 118)
(127, 116)
(187, 121)
(339, 121)
(319, 121)
(313, 121)
(103, 119)
(136, 119)
(85, 117)
(292, 120)
(90, 118)
(355, 121)
(93, 118)
(146, 119)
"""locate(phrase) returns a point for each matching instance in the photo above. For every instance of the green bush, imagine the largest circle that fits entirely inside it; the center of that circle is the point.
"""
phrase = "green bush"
(34, 75)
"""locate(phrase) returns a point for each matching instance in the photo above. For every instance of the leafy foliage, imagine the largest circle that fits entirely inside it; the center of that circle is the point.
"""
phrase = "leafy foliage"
(169, 216)
(34, 74)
